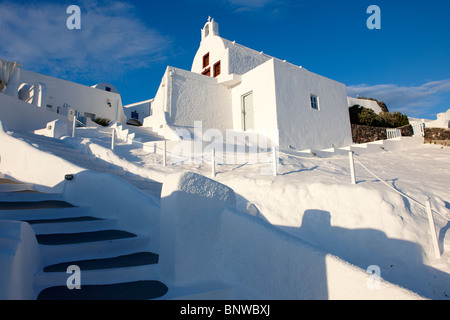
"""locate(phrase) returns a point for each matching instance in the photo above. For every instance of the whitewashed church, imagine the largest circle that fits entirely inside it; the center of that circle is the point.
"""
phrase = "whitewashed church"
(229, 88)
(232, 87)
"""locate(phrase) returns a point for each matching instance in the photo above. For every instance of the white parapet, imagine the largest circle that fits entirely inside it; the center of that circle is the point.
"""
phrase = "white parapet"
(191, 205)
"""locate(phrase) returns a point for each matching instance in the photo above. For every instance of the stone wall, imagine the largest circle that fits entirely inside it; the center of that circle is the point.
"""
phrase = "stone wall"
(437, 136)
(364, 134)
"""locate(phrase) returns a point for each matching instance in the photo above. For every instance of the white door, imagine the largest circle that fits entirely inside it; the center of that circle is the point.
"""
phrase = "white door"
(247, 112)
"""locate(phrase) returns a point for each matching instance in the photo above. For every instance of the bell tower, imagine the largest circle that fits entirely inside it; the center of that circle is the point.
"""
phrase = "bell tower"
(211, 28)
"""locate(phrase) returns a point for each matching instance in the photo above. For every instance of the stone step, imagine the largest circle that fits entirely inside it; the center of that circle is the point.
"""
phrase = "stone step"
(71, 225)
(23, 187)
(9, 185)
(27, 205)
(142, 133)
(17, 197)
(47, 144)
(130, 260)
(41, 214)
(131, 267)
(137, 290)
(36, 138)
(203, 291)
(104, 247)
(57, 239)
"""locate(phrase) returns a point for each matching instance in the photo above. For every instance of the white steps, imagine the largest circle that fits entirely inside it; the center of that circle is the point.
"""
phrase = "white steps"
(70, 234)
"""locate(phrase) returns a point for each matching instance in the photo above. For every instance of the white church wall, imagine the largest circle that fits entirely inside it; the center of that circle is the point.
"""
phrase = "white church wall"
(301, 126)
(243, 59)
(234, 58)
(215, 46)
(261, 83)
(196, 97)
(82, 98)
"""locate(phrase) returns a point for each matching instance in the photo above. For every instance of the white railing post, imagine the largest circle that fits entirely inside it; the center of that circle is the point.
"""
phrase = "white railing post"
(434, 238)
(74, 125)
(352, 167)
(275, 161)
(113, 137)
(213, 163)
(165, 154)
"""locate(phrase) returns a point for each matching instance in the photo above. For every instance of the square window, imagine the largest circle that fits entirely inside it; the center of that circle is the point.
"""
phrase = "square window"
(216, 69)
(314, 102)
(206, 60)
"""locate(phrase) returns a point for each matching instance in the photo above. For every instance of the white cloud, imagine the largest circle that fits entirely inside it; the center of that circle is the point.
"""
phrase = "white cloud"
(111, 41)
(250, 5)
(412, 100)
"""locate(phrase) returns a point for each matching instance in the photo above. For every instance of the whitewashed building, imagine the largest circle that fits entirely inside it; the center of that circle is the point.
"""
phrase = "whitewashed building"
(365, 103)
(51, 98)
(232, 87)
(137, 112)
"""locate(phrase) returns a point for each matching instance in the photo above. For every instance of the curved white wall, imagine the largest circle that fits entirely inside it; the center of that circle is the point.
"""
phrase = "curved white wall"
(217, 50)
(81, 98)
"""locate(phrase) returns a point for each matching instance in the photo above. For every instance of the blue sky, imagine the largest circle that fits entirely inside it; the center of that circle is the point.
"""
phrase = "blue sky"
(130, 43)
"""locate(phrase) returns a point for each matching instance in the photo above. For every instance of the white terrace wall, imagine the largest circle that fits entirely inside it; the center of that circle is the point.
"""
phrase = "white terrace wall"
(299, 125)
(19, 115)
(81, 98)
(204, 239)
(29, 164)
(369, 104)
(19, 260)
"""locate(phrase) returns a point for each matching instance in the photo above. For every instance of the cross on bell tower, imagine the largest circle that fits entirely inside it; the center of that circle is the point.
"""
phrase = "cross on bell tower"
(211, 28)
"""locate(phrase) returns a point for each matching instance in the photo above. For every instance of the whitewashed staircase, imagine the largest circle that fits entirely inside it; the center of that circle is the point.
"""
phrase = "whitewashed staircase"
(114, 263)
(363, 148)
(137, 135)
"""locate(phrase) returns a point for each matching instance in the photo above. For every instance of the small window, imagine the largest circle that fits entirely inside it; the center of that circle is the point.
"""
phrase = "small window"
(207, 72)
(206, 60)
(216, 69)
(314, 102)
(108, 89)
